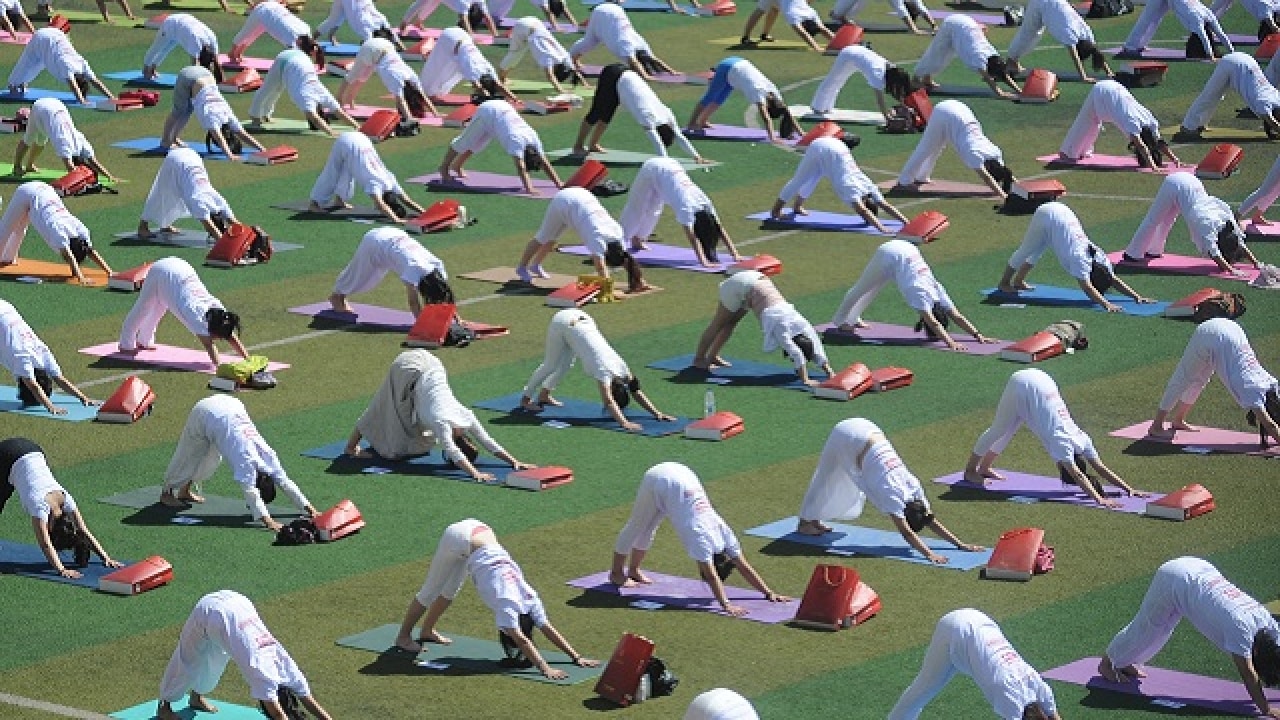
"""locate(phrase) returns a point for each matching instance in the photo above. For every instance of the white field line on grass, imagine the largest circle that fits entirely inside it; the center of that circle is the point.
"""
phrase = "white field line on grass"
(51, 708)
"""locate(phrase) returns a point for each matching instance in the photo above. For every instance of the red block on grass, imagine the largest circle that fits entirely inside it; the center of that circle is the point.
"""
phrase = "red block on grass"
(137, 578)
(621, 677)
(847, 35)
(716, 426)
(847, 384)
(1191, 501)
(1014, 556)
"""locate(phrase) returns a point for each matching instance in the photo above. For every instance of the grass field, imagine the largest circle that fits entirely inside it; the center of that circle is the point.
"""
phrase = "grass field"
(101, 653)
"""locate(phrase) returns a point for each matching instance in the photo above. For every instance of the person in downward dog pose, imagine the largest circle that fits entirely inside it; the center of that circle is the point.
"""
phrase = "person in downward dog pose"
(36, 204)
(961, 36)
(1111, 102)
(173, 286)
(831, 158)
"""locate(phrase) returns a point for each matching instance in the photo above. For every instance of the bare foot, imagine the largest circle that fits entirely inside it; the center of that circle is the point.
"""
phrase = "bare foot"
(639, 577)
(718, 361)
(548, 400)
(621, 580)
(1182, 425)
(1109, 672)
(980, 477)
(597, 148)
(199, 702)
(1160, 433)
(798, 210)
(339, 303)
(812, 527)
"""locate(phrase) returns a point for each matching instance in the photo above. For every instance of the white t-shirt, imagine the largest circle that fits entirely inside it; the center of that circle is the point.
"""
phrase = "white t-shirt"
(439, 412)
(702, 531)
(238, 440)
(970, 42)
(1006, 680)
(233, 624)
(530, 35)
(1252, 84)
(189, 33)
(748, 80)
(1069, 242)
(300, 79)
(1205, 218)
(506, 126)
(914, 278)
(887, 482)
(279, 23)
(501, 585)
(1234, 361)
(964, 132)
(50, 122)
(577, 209)
(797, 11)
(642, 102)
(472, 64)
(406, 257)
(197, 192)
(678, 190)
(32, 480)
(212, 110)
(22, 351)
(836, 164)
(1064, 23)
(599, 360)
(51, 218)
(365, 165)
(780, 324)
(183, 293)
(1114, 103)
(1222, 612)
(1046, 415)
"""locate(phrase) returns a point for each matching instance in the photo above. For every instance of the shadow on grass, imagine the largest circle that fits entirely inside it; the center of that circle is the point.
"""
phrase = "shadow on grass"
(599, 601)
(1150, 448)
(697, 376)
(158, 515)
(1109, 700)
(782, 548)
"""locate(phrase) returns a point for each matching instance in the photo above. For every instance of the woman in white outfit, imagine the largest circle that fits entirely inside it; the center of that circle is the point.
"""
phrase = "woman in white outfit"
(664, 182)
(830, 158)
(498, 120)
(470, 14)
(845, 11)
(1212, 225)
(1031, 397)
(55, 517)
(1194, 16)
(720, 704)
(1110, 102)
(880, 74)
(1239, 72)
(380, 56)
(782, 325)
(387, 250)
(1218, 346)
(960, 36)
(953, 124)
(364, 17)
(455, 59)
(859, 463)
(469, 547)
(278, 21)
(573, 335)
(672, 491)
(735, 73)
(49, 122)
(182, 189)
(1065, 25)
(219, 428)
(1236, 624)
(173, 286)
(36, 204)
(32, 364)
(901, 263)
(415, 410)
(609, 25)
(222, 128)
(966, 641)
(12, 16)
(195, 38)
(225, 626)
(1266, 12)
(1055, 227)
(801, 16)
(1261, 200)
(530, 36)
(577, 209)
(618, 86)
(354, 163)
(294, 71)
(50, 49)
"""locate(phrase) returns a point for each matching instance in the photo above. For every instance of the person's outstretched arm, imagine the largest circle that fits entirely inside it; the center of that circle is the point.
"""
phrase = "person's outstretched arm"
(46, 546)
(942, 532)
(93, 542)
(648, 405)
(914, 541)
(991, 183)
(71, 389)
(753, 577)
(530, 651)
(559, 641)
(1253, 684)
(1123, 287)
(1110, 476)
(611, 406)
(709, 576)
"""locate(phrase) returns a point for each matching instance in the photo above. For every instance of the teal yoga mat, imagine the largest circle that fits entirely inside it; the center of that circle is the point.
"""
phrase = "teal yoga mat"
(581, 413)
(431, 464)
(857, 540)
(226, 711)
(214, 507)
(76, 412)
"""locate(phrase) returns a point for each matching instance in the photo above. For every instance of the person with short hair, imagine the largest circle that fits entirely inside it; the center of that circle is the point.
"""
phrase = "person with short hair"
(663, 182)
(831, 158)
(195, 38)
(12, 15)
(782, 325)
(50, 49)
(378, 55)
(609, 25)
(1197, 19)
(909, 11)
(32, 364)
(455, 59)
(182, 189)
(953, 124)
(966, 641)
(576, 209)
(961, 36)
(498, 120)
(55, 517)
(672, 491)
(1240, 72)
(279, 21)
(1212, 225)
(1031, 397)
(1191, 588)
(880, 74)
(471, 13)
(354, 163)
(414, 410)
(619, 86)
(469, 547)
(199, 95)
(735, 73)
(36, 204)
(384, 250)
(1110, 102)
(173, 286)
(530, 36)
(365, 19)
(48, 122)
(1065, 25)
(294, 71)
(225, 626)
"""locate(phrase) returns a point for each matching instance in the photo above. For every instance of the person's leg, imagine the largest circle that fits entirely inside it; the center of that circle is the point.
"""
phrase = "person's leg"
(920, 164)
(993, 441)
(1155, 621)
(333, 180)
(936, 670)
(1213, 93)
(874, 277)
(1189, 379)
(1145, 26)
(139, 328)
(362, 274)
(636, 537)
(27, 68)
(722, 324)
(824, 98)
(640, 215)
(1154, 229)
(194, 460)
(805, 180)
(1029, 32)
(266, 96)
(1078, 144)
(939, 53)
(1260, 200)
(557, 359)
(832, 490)
(1034, 243)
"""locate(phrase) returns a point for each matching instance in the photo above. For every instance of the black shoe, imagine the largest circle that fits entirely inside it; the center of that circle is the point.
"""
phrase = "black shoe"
(1184, 134)
(746, 42)
(1125, 257)
(1127, 54)
(767, 38)
(1153, 256)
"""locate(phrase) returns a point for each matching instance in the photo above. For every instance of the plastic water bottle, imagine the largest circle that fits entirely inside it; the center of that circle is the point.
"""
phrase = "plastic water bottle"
(709, 404)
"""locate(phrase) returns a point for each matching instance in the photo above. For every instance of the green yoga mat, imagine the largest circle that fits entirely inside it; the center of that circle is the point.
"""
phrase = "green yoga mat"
(466, 656)
(214, 507)
(542, 87)
(226, 711)
(45, 174)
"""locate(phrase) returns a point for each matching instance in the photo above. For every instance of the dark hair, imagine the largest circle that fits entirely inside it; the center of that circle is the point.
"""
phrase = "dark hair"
(615, 255)
(82, 81)
(897, 82)
(532, 158)
(514, 656)
(208, 60)
(1230, 244)
(1086, 49)
(475, 14)
(723, 565)
(1149, 137)
(489, 86)
(999, 172)
(805, 343)
(666, 133)
(222, 323)
(1100, 275)
(385, 33)
(1083, 466)
(647, 62)
(1266, 658)
(434, 289)
(851, 140)
(415, 99)
(266, 487)
(219, 221)
(811, 26)
(940, 314)
(79, 247)
(773, 106)
(42, 379)
(621, 390)
(289, 704)
(64, 534)
(1033, 711)
(229, 135)
(393, 201)
(562, 71)
(556, 7)
(706, 228)
(917, 515)
(871, 204)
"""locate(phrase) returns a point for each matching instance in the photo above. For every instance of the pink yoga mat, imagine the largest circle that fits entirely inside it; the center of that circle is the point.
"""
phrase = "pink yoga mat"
(690, 594)
(364, 112)
(364, 315)
(937, 188)
(1224, 696)
(168, 356)
(1267, 231)
(1050, 489)
(23, 38)
(259, 64)
(1214, 439)
(1183, 265)
(489, 183)
(887, 334)
(1099, 161)
(419, 33)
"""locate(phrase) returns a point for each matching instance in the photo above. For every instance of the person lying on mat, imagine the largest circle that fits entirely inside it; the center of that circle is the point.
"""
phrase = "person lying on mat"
(576, 209)
(909, 11)
(278, 21)
(734, 73)
(1212, 225)
(801, 16)
(1219, 346)
(36, 204)
(364, 18)
(1110, 102)
(1240, 72)
(783, 326)
(963, 37)
(619, 86)
(831, 158)
(50, 49)
(1065, 25)
(531, 36)
(455, 59)
(1031, 397)
(417, 387)
(881, 76)
(1055, 227)
(379, 55)
(608, 24)
(901, 262)
(225, 626)
(55, 517)
(1191, 588)
(12, 15)
(471, 14)
(219, 428)
(1193, 15)
(498, 120)
(469, 547)
(859, 463)
(182, 189)
(966, 641)
(664, 182)
(720, 704)
(354, 163)
(384, 250)
(173, 286)
(222, 128)
(953, 124)
(671, 490)
(32, 364)
(49, 122)
(195, 38)
(295, 72)
(1261, 200)
(573, 335)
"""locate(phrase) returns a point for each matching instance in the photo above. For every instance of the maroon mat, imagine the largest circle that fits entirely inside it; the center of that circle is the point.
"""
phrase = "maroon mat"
(1050, 489)
(488, 183)
(886, 334)
(690, 594)
(1167, 686)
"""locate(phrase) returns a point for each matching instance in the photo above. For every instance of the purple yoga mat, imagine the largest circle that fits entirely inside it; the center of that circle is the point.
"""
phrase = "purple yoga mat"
(1224, 696)
(660, 255)
(936, 188)
(1240, 39)
(690, 594)
(1183, 265)
(1213, 439)
(168, 356)
(488, 183)
(1156, 53)
(1050, 490)
(984, 18)
(364, 315)
(887, 334)
(1100, 161)
(1270, 231)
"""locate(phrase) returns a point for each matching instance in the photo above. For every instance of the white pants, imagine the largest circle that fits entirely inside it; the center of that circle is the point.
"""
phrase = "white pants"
(1080, 139)
(875, 276)
(1037, 238)
(1260, 200)
(14, 223)
(933, 142)
(833, 492)
(420, 10)
(448, 569)
(363, 18)
(166, 41)
(941, 51)
(338, 176)
(1158, 615)
(824, 98)
(646, 516)
(558, 357)
(166, 203)
(1177, 193)
(1224, 77)
(363, 273)
(644, 206)
(198, 662)
(266, 97)
(148, 310)
(31, 62)
(936, 670)
(720, 704)
(1029, 32)
(1146, 25)
(440, 73)
(284, 30)
(196, 457)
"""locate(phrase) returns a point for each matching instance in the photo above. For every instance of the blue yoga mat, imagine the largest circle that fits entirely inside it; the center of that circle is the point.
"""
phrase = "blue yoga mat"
(26, 560)
(76, 412)
(340, 49)
(226, 711)
(741, 372)
(585, 413)
(1074, 297)
(853, 539)
(66, 96)
(152, 145)
(133, 78)
(829, 221)
(432, 464)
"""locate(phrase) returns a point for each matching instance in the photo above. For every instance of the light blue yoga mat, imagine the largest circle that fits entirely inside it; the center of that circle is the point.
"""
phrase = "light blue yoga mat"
(133, 78)
(76, 412)
(432, 464)
(340, 49)
(26, 560)
(584, 413)
(857, 540)
(819, 220)
(1074, 297)
(66, 96)
(741, 372)
(226, 711)
(152, 145)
